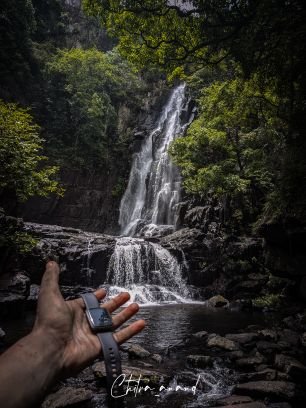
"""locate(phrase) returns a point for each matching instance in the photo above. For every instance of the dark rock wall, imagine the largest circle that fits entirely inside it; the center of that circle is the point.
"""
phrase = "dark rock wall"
(89, 202)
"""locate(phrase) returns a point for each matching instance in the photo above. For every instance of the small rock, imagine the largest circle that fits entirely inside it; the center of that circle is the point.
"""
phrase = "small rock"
(199, 361)
(136, 351)
(218, 301)
(289, 336)
(267, 347)
(266, 375)
(234, 399)
(242, 338)
(200, 335)
(2, 334)
(67, 396)
(157, 357)
(274, 389)
(290, 366)
(148, 376)
(268, 334)
(283, 376)
(234, 355)
(251, 361)
(222, 342)
(254, 404)
(303, 339)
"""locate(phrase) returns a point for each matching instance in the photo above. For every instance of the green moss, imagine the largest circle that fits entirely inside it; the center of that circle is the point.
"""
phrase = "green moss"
(270, 300)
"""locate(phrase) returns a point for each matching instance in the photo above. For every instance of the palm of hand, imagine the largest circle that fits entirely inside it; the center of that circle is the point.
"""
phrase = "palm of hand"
(67, 325)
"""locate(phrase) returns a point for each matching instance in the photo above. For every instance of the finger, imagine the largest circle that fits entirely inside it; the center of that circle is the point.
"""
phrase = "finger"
(50, 277)
(123, 335)
(116, 302)
(125, 315)
(99, 293)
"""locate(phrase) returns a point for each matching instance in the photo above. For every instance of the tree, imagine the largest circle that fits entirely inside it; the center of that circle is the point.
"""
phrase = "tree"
(235, 146)
(17, 23)
(22, 173)
(86, 90)
(266, 38)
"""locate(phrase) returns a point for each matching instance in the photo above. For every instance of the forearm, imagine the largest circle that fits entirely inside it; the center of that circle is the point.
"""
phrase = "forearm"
(28, 369)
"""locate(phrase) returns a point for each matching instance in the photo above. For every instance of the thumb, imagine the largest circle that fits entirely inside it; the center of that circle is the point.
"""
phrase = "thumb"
(50, 277)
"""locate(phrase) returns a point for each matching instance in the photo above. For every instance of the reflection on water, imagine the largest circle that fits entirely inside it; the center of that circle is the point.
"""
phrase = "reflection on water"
(169, 325)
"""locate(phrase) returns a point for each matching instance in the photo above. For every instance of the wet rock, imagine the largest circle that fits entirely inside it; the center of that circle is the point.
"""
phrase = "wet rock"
(12, 305)
(14, 289)
(218, 301)
(290, 322)
(200, 335)
(83, 256)
(251, 361)
(283, 376)
(199, 361)
(2, 334)
(147, 375)
(185, 238)
(234, 399)
(267, 347)
(289, 336)
(136, 351)
(268, 334)
(275, 389)
(243, 338)
(265, 375)
(254, 404)
(221, 342)
(234, 355)
(290, 366)
(261, 367)
(303, 339)
(67, 397)
(157, 358)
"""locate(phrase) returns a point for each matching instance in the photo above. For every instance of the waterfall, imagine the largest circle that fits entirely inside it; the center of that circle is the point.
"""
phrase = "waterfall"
(154, 185)
(147, 270)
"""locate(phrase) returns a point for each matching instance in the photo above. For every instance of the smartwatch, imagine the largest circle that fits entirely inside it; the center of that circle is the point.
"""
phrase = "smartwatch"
(101, 324)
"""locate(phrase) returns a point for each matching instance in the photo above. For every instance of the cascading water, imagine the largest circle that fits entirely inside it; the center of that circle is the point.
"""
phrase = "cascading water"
(154, 184)
(147, 270)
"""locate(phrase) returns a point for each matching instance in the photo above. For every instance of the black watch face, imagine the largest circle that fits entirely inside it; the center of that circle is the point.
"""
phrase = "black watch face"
(99, 319)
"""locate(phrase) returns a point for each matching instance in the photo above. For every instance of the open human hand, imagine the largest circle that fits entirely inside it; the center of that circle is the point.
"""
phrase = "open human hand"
(66, 324)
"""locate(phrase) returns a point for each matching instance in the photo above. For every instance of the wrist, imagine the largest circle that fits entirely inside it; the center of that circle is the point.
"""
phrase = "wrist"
(50, 349)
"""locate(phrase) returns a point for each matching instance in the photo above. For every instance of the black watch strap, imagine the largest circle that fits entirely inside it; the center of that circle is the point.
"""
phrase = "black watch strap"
(111, 354)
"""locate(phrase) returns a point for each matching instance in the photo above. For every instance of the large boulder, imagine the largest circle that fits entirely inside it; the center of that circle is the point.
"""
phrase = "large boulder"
(218, 301)
(222, 343)
(274, 389)
(67, 397)
(83, 256)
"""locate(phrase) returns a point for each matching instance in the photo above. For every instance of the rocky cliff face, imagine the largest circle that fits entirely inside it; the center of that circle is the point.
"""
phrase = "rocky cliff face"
(219, 261)
(91, 200)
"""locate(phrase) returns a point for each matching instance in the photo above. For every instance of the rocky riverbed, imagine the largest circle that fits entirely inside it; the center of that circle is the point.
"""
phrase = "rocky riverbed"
(245, 357)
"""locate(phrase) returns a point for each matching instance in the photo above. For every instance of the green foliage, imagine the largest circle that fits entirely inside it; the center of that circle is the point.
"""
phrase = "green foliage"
(21, 171)
(241, 118)
(271, 300)
(17, 23)
(234, 147)
(82, 113)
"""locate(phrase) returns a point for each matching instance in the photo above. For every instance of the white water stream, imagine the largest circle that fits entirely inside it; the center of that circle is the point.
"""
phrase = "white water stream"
(148, 271)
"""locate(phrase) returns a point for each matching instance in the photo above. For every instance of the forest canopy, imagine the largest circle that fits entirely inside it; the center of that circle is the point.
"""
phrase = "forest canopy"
(245, 61)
